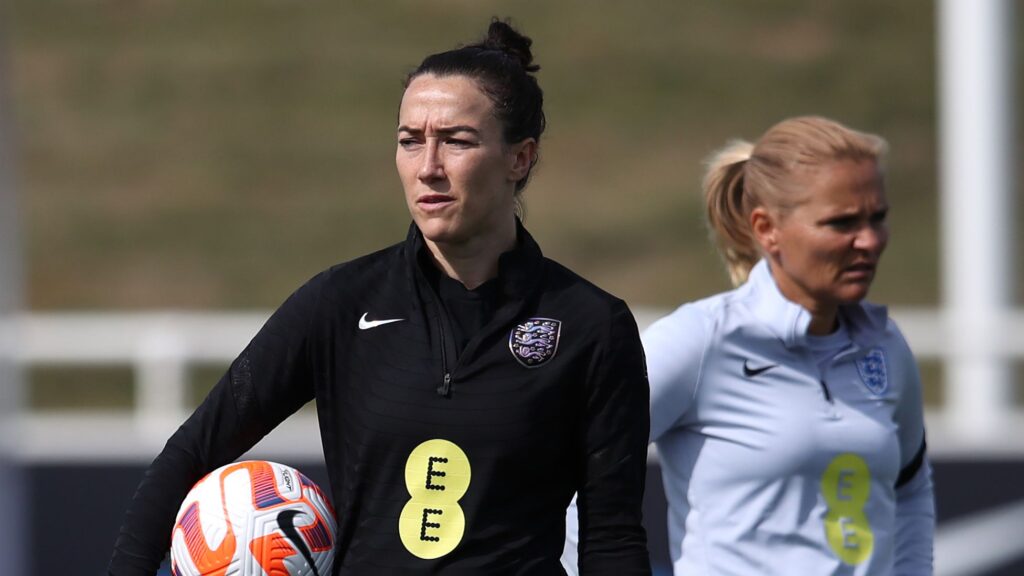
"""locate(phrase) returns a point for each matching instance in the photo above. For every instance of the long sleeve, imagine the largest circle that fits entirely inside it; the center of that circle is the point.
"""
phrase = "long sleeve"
(915, 499)
(675, 347)
(915, 524)
(268, 381)
(616, 424)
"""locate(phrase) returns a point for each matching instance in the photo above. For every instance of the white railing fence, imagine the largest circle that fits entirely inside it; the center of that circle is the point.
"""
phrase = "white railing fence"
(161, 347)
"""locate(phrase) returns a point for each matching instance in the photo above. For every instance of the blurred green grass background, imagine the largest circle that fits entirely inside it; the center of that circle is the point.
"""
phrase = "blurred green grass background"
(214, 155)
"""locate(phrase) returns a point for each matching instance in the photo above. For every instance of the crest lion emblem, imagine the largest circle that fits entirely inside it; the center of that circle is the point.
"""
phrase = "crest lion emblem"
(535, 341)
(873, 372)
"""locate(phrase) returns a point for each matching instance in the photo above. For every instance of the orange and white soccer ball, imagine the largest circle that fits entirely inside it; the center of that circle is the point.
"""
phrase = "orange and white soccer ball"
(254, 518)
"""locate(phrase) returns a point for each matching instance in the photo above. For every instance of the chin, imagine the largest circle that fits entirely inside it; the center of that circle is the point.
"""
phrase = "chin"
(853, 294)
(438, 231)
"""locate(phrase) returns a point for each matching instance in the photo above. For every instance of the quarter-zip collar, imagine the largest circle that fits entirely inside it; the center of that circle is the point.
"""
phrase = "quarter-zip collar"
(789, 321)
(519, 269)
(520, 273)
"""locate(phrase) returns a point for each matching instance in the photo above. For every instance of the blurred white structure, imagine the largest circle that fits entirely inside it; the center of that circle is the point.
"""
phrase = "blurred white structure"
(160, 348)
(959, 543)
(977, 124)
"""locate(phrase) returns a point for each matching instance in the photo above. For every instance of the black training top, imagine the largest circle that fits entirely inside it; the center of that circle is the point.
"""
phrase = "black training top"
(549, 398)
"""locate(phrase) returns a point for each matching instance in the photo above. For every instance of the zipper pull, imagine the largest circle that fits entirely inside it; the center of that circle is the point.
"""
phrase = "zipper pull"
(446, 386)
(824, 388)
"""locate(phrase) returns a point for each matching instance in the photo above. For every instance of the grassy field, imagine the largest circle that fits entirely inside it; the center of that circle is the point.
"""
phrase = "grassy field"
(216, 154)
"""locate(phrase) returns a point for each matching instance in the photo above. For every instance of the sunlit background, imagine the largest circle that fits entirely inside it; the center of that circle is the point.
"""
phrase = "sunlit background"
(173, 170)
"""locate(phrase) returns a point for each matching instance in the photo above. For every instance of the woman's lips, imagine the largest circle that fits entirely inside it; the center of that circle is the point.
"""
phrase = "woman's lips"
(860, 270)
(434, 202)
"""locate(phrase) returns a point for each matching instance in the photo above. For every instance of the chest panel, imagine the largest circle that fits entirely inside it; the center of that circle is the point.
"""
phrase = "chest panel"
(780, 414)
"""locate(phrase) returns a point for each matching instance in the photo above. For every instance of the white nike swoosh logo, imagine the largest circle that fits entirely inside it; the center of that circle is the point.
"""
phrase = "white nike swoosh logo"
(365, 324)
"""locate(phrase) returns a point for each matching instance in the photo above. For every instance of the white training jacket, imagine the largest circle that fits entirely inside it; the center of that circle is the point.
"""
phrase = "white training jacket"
(775, 464)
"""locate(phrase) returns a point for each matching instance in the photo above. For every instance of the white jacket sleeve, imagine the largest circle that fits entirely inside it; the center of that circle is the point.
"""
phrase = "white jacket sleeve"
(675, 347)
(915, 524)
(915, 499)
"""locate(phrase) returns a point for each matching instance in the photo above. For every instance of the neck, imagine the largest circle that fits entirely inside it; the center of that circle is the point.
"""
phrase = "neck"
(822, 323)
(823, 315)
(475, 262)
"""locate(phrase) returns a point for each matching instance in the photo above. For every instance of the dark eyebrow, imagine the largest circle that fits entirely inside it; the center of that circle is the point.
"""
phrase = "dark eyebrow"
(446, 131)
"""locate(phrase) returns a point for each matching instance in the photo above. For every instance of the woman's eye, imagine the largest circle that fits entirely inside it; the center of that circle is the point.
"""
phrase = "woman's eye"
(841, 223)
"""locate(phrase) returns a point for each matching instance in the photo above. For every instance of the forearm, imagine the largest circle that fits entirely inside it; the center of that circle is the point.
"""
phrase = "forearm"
(915, 525)
(146, 532)
(215, 434)
(612, 539)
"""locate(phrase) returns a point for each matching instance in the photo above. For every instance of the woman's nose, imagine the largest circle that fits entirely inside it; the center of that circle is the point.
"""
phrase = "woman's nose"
(871, 238)
(432, 167)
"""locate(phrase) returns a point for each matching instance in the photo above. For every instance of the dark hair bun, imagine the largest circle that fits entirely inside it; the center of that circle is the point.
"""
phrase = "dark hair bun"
(502, 36)
(502, 66)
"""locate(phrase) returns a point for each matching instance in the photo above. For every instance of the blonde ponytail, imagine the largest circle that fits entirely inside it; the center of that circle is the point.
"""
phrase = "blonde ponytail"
(727, 208)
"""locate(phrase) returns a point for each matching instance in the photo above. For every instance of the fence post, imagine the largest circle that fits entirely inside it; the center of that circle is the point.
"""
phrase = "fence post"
(976, 160)
(161, 379)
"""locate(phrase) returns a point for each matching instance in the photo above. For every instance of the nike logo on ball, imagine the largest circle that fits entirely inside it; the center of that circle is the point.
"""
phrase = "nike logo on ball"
(365, 324)
(749, 372)
(286, 520)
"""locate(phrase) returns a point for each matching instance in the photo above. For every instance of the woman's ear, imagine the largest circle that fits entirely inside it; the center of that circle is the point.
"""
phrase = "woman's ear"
(522, 155)
(765, 227)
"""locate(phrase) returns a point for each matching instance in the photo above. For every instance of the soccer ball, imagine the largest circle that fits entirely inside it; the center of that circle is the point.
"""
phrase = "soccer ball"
(253, 518)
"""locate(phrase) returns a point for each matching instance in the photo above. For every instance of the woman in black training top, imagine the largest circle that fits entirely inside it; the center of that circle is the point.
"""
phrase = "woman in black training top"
(461, 352)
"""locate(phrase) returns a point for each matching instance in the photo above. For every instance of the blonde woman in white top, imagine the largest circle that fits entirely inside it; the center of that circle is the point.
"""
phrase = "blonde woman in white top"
(787, 412)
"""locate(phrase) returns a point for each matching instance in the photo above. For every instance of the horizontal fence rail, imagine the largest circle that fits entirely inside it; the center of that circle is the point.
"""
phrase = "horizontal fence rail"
(160, 348)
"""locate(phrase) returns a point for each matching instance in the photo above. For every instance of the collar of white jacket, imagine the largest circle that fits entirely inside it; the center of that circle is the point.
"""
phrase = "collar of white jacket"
(788, 320)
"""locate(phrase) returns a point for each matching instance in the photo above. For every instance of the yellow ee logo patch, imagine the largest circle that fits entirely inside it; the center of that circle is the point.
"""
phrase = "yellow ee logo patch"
(437, 475)
(846, 486)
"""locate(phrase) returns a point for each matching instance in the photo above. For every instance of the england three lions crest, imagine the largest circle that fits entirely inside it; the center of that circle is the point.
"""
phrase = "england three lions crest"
(873, 372)
(535, 341)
